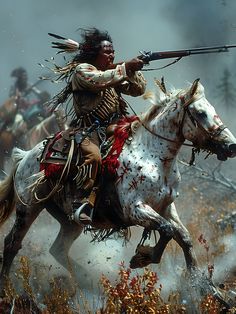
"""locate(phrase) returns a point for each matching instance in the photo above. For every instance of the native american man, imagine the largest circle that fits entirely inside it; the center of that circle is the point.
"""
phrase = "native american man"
(96, 84)
(29, 100)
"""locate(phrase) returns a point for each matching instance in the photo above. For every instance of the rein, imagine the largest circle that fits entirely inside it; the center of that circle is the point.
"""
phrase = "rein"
(163, 67)
(163, 137)
(185, 104)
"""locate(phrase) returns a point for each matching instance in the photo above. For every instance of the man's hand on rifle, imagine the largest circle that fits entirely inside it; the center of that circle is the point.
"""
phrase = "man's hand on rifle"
(133, 65)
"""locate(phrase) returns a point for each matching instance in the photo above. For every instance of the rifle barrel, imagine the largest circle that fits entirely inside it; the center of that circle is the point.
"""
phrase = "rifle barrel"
(151, 56)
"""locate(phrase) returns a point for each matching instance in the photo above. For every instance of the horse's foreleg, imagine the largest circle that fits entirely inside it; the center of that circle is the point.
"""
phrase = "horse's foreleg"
(145, 216)
(182, 237)
(146, 255)
(12, 243)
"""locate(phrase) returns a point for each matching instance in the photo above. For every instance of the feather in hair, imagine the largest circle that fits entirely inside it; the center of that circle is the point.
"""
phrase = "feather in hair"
(67, 45)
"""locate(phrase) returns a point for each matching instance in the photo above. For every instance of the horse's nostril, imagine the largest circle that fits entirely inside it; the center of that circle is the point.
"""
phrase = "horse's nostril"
(232, 148)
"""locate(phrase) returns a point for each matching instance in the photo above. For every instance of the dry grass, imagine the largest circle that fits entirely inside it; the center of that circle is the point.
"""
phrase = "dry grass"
(137, 294)
(131, 293)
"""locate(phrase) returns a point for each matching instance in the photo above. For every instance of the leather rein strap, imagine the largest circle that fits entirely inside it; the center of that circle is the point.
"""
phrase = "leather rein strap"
(185, 105)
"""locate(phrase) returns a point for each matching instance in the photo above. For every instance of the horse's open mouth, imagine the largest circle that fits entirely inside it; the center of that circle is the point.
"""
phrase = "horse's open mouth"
(232, 150)
(222, 151)
(222, 156)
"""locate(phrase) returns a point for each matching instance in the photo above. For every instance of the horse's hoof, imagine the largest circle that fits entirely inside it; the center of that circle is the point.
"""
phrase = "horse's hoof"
(142, 258)
(207, 287)
(225, 304)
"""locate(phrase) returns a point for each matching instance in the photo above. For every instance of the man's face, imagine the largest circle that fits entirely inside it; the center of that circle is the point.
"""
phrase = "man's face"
(22, 81)
(105, 58)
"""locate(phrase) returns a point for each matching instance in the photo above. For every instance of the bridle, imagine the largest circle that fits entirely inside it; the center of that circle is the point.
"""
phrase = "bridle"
(212, 134)
(185, 104)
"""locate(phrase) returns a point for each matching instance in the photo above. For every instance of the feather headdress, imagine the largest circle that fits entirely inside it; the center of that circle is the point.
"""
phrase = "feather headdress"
(66, 44)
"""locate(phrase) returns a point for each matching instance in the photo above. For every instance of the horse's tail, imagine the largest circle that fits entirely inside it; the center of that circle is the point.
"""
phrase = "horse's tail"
(7, 194)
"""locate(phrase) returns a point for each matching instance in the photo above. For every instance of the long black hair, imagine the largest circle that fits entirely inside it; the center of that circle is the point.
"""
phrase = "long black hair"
(88, 50)
(91, 44)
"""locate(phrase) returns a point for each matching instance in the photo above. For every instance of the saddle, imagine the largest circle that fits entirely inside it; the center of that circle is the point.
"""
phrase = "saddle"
(61, 158)
(58, 149)
(62, 149)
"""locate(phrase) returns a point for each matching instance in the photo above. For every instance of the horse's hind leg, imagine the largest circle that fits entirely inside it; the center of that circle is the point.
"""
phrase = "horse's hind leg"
(69, 232)
(12, 243)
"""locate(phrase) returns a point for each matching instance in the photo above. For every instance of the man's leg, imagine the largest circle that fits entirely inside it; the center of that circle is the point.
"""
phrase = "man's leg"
(92, 164)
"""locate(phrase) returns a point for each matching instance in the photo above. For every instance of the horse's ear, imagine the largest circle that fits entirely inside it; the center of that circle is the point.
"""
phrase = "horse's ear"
(194, 87)
(161, 84)
(150, 96)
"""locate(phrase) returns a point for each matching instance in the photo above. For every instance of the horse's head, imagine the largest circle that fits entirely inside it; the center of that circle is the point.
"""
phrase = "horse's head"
(202, 125)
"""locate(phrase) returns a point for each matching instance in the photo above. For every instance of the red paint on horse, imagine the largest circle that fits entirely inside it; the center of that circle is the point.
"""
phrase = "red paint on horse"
(121, 134)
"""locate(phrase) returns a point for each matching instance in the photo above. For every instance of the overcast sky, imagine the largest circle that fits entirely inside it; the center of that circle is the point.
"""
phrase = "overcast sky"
(133, 24)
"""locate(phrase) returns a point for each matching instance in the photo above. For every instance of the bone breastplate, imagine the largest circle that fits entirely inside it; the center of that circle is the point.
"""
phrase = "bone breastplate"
(100, 106)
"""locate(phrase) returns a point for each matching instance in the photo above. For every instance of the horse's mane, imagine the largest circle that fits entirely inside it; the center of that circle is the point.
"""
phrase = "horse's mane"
(17, 155)
(160, 102)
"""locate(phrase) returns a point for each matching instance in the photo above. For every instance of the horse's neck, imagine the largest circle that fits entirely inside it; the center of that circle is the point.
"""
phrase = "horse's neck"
(162, 134)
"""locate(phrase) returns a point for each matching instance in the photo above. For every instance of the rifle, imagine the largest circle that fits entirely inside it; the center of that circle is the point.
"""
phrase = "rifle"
(151, 56)
(32, 88)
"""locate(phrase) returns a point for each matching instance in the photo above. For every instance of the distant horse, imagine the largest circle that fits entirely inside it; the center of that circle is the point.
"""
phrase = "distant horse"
(46, 127)
(146, 183)
(7, 138)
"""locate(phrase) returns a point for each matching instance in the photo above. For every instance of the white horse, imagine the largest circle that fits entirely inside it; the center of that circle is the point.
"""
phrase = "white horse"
(147, 185)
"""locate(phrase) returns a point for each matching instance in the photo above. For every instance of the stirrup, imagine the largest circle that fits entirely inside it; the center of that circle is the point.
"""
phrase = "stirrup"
(84, 214)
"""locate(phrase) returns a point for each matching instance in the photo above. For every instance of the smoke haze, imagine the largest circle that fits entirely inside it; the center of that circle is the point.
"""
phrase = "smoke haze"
(134, 26)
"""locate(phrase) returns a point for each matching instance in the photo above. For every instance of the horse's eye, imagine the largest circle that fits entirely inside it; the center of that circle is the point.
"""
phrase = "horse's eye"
(202, 114)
